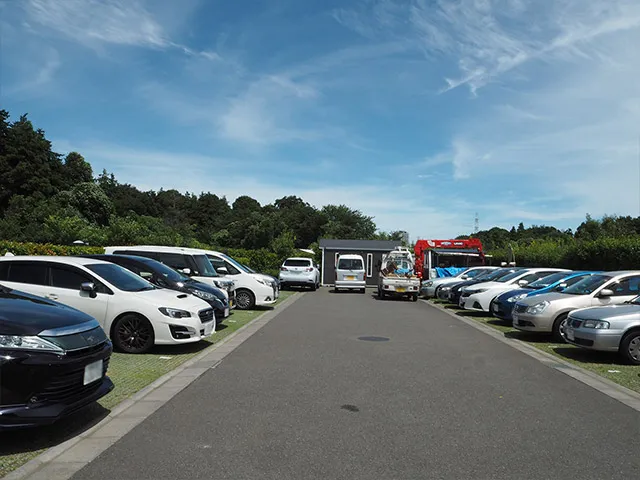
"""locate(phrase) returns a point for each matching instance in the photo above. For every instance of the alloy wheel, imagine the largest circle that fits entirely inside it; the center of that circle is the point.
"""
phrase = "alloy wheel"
(634, 348)
(134, 334)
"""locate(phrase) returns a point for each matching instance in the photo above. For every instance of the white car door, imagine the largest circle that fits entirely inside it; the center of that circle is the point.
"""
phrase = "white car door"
(623, 289)
(65, 287)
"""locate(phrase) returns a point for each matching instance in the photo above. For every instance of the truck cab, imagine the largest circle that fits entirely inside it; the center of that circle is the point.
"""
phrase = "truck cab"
(397, 275)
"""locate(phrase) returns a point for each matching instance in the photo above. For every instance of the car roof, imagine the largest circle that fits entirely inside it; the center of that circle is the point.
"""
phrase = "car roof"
(350, 255)
(54, 258)
(153, 248)
(298, 258)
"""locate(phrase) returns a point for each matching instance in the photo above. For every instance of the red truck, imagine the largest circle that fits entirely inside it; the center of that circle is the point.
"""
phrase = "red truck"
(430, 254)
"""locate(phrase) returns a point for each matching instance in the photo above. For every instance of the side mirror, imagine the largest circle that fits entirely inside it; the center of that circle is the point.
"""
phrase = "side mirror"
(561, 287)
(605, 292)
(223, 270)
(464, 277)
(88, 287)
(523, 283)
(186, 271)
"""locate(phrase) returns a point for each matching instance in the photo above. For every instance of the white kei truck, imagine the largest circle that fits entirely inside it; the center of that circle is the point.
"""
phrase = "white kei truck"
(397, 277)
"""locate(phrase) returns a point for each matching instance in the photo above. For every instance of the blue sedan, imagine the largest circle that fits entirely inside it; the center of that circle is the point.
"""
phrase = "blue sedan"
(502, 306)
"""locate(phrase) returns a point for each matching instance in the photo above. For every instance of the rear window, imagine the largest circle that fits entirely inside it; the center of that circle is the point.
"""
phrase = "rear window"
(297, 263)
(350, 264)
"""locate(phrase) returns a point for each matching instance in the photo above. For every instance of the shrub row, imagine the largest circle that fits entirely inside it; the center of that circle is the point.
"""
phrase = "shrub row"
(602, 254)
(19, 248)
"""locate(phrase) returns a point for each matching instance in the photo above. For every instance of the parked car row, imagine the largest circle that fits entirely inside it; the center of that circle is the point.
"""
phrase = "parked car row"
(589, 309)
(61, 317)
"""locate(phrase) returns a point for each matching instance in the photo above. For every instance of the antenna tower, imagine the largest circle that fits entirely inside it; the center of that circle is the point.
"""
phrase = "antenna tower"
(476, 224)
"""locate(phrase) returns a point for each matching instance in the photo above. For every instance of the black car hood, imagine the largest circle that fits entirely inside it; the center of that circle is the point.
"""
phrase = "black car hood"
(25, 314)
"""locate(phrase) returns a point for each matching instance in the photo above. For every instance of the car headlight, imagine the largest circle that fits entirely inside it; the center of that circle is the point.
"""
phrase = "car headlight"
(445, 288)
(515, 298)
(428, 284)
(537, 308)
(597, 324)
(480, 290)
(16, 342)
(174, 312)
(204, 295)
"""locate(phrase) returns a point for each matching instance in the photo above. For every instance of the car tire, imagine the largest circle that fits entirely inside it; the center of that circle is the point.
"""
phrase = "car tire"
(558, 328)
(630, 347)
(414, 297)
(363, 290)
(314, 287)
(133, 333)
(245, 299)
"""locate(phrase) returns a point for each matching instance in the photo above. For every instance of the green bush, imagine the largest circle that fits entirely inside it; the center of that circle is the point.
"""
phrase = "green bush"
(18, 248)
(602, 254)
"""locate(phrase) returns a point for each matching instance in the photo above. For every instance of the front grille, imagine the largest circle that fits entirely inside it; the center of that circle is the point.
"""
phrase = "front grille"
(70, 385)
(575, 323)
(520, 308)
(206, 315)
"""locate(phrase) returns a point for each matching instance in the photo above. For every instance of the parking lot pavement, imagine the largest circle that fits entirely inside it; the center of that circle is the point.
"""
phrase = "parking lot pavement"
(304, 398)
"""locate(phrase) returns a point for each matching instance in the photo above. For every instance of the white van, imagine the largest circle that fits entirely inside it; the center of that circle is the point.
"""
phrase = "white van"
(252, 289)
(350, 273)
(195, 265)
(133, 312)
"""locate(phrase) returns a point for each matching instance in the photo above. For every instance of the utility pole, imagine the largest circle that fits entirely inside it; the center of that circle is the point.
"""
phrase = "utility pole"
(476, 224)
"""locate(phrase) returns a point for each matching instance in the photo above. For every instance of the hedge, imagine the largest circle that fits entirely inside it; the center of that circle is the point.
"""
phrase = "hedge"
(602, 254)
(19, 248)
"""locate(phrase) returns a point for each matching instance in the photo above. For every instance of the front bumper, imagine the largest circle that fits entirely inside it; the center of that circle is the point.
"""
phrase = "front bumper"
(41, 388)
(594, 339)
(267, 295)
(502, 310)
(532, 323)
(400, 289)
(478, 302)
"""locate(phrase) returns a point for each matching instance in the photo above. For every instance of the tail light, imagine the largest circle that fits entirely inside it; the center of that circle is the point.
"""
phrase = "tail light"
(310, 269)
(283, 269)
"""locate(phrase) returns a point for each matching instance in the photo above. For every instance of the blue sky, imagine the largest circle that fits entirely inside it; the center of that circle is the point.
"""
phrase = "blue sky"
(417, 112)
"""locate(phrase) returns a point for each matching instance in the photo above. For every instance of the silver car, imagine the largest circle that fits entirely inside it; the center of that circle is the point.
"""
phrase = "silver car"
(609, 329)
(548, 313)
(428, 288)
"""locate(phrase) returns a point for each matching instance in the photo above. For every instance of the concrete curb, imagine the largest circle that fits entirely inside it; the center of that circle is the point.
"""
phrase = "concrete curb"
(64, 460)
(603, 385)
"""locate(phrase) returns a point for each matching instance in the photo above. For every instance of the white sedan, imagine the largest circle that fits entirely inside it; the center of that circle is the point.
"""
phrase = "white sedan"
(478, 297)
(428, 289)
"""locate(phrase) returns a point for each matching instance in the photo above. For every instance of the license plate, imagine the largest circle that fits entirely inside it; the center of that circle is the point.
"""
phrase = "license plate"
(226, 312)
(208, 328)
(569, 333)
(350, 277)
(93, 372)
(401, 289)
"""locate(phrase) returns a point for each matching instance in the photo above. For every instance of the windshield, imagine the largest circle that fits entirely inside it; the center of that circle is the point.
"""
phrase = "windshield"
(493, 275)
(239, 266)
(548, 280)
(169, 273)
(587, 285)
(248, 269)
(509, 277)
(475, 273)
(205, 269)
(297, 262)
(120, 277)
(350, 264)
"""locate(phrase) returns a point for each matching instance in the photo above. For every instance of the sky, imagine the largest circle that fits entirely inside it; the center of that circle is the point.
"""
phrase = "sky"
(419, 113)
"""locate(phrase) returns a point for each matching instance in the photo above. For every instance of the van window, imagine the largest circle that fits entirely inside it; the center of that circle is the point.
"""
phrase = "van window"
(32, 273)
(350, 264)
(219, 263)
(174, 260)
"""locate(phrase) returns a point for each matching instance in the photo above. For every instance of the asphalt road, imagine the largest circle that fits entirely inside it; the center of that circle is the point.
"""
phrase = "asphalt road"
(304, 398)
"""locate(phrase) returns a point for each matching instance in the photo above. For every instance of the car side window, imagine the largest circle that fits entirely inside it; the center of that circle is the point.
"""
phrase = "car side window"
(4, 270)
(69, 278)
(626, 286)
(231, 269)
(33, 273)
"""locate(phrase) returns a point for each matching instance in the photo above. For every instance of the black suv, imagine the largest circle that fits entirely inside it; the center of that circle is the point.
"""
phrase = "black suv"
(166, 277)
(53, 360)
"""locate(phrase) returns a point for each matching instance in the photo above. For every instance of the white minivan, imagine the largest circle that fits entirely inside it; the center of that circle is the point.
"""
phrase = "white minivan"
(252, 289)
(350, 273)
(134, 313)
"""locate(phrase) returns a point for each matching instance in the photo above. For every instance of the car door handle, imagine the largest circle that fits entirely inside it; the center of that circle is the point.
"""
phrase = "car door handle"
(52, 296)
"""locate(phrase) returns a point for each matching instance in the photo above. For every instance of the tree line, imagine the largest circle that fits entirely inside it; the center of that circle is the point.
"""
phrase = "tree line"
(46, 197)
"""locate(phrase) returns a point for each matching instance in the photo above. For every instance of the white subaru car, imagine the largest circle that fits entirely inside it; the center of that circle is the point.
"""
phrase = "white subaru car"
(299, 272)
(478, 297)
(135, 313)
